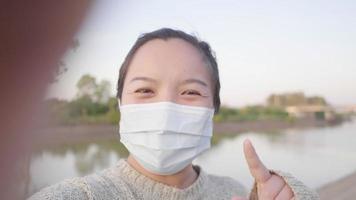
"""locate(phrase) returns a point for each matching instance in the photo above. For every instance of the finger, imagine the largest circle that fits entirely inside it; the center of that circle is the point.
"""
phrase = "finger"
(257, 169)
(238, 198)
(286, 193)
(271, 188)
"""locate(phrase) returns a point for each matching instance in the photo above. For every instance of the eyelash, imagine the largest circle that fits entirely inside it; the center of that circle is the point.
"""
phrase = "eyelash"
(149, 91)
(143, 91)
(193, 92)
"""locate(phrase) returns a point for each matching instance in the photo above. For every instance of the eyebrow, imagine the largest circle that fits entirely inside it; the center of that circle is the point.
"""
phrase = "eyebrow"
(193, 80)
(143, 78)
(187, 81)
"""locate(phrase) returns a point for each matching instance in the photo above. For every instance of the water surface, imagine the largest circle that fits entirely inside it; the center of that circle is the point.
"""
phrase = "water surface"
(316, 156)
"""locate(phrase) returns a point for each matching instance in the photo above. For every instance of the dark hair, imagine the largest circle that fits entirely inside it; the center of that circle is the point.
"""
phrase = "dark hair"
(165, 34)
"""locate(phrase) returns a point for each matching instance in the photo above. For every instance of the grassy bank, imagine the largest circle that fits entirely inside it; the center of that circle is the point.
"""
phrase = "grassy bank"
(86, 111)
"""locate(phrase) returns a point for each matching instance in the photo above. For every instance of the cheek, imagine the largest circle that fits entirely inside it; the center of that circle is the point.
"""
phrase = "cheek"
(208, 102)
(211, 102)
(126, 98)
(204, 102)
(129, 99)
(210, 99)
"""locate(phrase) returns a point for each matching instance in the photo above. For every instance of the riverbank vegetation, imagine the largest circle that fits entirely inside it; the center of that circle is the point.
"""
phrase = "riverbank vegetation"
(93, 104)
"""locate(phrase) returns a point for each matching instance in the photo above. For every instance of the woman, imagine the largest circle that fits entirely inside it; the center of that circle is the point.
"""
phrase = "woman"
(168, 92)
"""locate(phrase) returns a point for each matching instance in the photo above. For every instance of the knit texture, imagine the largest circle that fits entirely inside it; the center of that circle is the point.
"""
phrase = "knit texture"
(124, 182)
(299, 189)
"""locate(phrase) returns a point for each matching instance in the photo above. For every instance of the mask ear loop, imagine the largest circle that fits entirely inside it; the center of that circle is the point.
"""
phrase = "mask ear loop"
(118, 110)
(118, 107)
(118, 104)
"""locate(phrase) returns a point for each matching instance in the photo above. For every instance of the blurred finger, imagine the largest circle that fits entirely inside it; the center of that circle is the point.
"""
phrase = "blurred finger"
(256, 167)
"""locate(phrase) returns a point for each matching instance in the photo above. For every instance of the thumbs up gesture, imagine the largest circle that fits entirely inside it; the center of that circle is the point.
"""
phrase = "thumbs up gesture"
(269, 186)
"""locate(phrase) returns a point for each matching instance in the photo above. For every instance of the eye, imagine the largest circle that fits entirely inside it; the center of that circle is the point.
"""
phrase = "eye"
(144, 91)
(191, 92)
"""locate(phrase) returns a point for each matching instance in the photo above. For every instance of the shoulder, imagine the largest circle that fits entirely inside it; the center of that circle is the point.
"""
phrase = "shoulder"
(101, 185)
(75, 189)
(225, 185)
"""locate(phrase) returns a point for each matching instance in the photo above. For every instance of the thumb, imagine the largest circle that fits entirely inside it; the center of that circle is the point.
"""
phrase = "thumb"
(256, 167)
(238, 198)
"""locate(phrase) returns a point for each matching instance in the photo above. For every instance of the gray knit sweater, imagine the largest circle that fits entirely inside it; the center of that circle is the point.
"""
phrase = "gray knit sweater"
(124, 182)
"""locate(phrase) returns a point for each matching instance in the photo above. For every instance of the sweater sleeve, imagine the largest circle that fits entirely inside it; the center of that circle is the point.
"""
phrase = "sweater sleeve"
(300, 190)
(75, 189)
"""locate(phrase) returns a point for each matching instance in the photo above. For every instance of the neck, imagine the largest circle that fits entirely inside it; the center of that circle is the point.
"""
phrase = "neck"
(181, 180)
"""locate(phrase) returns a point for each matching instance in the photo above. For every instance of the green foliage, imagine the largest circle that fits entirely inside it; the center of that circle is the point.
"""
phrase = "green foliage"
(91, 105)
(85, 106)
(112, 116)
(86, 81)
(88, 87)
(320, 115)
(82, 110)
(85, 110)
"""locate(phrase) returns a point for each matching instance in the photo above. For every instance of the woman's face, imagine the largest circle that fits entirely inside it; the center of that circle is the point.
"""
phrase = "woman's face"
(171, 70)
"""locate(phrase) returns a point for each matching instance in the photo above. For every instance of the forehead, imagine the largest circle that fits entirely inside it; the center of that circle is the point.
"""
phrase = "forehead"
(172, 58)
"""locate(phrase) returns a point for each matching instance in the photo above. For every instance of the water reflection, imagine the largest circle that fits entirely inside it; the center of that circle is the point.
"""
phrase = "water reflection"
(316, 156)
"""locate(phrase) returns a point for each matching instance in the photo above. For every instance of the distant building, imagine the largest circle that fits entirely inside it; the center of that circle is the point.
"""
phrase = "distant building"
(294, 99)
(311, 111)
(298, 105)
(346, 109)
(353, 108)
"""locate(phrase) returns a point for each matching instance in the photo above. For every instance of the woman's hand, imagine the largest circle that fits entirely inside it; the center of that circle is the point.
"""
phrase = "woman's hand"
(269, 186)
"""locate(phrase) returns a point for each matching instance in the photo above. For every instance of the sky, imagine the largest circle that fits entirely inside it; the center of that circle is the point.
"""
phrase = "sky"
(262, 47)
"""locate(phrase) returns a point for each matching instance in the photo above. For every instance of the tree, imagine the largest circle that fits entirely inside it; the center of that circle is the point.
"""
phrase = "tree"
(102, 91)
(87, 87)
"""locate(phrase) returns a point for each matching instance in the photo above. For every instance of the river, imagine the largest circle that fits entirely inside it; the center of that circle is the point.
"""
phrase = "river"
(316, 156)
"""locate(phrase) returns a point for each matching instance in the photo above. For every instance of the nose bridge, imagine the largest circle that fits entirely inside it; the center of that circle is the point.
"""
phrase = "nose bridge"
(168, 93)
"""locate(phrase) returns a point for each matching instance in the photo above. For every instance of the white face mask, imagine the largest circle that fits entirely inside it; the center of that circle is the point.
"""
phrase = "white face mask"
(165, 137)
